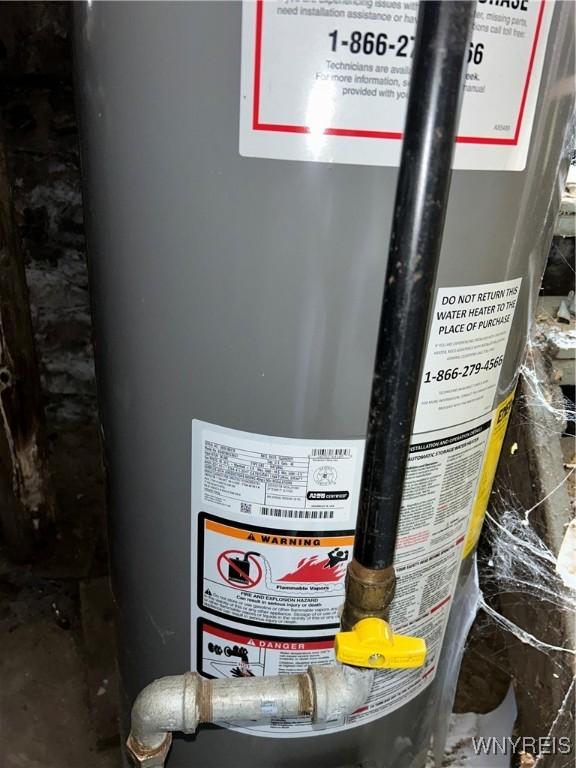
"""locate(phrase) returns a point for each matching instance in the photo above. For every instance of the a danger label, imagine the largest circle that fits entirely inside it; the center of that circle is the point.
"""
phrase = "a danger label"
(328, 81)
(223, 652)
(266, 578)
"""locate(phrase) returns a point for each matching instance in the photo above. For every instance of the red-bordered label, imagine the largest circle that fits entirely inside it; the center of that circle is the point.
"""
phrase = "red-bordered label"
(258, 125)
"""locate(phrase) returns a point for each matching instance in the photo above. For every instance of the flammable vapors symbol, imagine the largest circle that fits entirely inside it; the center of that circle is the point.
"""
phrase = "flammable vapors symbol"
(239, 568)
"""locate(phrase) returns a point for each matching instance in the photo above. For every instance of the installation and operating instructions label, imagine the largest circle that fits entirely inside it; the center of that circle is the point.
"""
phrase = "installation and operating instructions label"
(327, 80)
(273, 522)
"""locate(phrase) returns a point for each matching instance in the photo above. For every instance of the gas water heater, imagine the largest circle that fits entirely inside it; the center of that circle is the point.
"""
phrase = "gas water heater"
(241, 162)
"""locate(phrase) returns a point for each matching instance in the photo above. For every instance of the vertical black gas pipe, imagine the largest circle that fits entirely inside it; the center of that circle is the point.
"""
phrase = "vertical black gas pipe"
(436, 86)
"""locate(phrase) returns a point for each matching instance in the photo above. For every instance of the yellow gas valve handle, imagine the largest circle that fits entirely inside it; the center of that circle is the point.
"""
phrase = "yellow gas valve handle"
(371, 643)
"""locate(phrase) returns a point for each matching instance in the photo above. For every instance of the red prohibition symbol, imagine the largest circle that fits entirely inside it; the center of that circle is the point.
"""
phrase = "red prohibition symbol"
(241, 570)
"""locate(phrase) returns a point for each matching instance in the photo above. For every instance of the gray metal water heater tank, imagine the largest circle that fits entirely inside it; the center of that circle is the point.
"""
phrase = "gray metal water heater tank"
(239, 166)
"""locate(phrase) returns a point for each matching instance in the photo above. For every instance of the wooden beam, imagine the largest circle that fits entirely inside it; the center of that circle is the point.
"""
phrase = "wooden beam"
(26, 497)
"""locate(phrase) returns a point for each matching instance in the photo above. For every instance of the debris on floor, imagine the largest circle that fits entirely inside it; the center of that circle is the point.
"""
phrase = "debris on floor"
(58, 701)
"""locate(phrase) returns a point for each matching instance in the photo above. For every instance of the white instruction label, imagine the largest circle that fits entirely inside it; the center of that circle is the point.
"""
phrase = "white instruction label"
(466, 347)
(276, 478)
(327, 80)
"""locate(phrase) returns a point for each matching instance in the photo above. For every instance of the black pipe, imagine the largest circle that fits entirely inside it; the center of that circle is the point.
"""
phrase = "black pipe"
(436, 86)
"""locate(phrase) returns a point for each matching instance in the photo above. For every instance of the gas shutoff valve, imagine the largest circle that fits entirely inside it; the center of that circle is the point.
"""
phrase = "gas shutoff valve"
(372, 644)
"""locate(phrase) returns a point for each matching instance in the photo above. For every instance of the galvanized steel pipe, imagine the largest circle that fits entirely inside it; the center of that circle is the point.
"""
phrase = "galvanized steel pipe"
(182, 702)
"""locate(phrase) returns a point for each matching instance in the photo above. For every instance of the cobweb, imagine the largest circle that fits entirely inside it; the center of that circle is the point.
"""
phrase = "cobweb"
(516, 560)
(525, 568)
(521, 608)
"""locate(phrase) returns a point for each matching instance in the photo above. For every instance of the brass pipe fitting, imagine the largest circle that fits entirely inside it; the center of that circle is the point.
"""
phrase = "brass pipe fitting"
(368, 594)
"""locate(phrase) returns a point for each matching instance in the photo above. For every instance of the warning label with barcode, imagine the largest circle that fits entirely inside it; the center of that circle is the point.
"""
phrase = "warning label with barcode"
(271, 578)
(272, 529)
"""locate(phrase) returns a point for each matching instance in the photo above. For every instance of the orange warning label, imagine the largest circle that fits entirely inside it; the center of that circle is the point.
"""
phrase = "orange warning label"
(271, 577)
(273, 538)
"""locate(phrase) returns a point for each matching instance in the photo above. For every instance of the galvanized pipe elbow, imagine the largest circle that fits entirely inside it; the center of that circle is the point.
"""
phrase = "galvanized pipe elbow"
(166, 705)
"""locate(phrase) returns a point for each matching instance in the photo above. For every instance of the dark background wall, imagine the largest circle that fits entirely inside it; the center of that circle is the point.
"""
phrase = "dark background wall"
(37, 105)
(57, 658)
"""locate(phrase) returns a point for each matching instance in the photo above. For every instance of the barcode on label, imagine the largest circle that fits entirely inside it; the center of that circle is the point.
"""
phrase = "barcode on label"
(245, 508)
(329, 453)
(298, 514)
